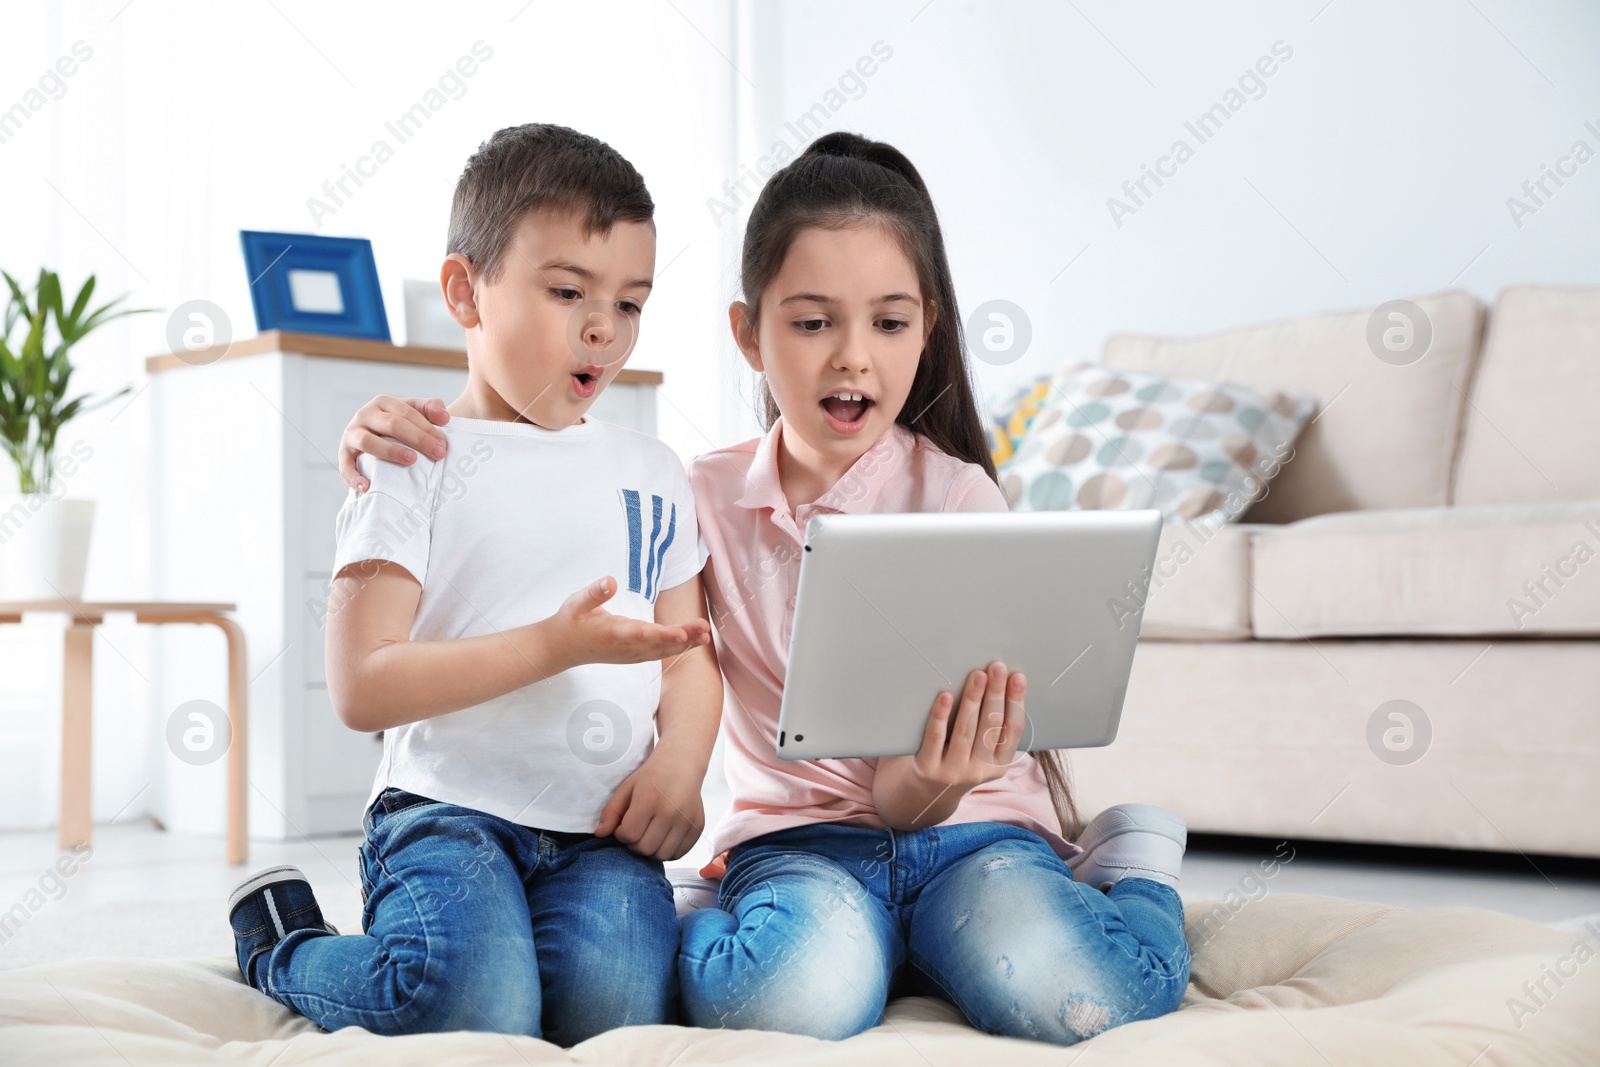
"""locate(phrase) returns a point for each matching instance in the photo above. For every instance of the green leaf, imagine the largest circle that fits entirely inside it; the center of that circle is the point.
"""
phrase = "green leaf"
(83, 300)
(50, 293)
(35, 374)
(17, 295)
(95, 320)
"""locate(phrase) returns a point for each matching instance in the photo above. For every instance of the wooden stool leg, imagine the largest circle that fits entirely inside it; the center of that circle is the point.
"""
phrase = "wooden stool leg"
(76, 825)
(239, 740)
(239, 732)
(238, 724)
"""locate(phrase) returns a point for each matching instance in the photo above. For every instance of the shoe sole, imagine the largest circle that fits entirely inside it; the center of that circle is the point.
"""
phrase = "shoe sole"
(1132, 818)
(1160, 858)
(261, 879)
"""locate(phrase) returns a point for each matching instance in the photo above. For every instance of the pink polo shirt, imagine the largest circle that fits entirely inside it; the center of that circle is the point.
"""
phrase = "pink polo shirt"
(751, 579)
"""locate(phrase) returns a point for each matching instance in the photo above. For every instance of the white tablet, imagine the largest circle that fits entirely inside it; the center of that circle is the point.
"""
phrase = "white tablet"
(893, 608)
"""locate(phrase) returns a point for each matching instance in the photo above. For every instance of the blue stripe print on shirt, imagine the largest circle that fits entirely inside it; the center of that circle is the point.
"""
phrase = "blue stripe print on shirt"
(661, 552)
(630, 497)
(650, 556)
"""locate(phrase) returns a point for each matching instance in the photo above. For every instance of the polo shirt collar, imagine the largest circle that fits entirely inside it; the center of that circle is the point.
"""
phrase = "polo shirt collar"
(853, 493)
(761, 486)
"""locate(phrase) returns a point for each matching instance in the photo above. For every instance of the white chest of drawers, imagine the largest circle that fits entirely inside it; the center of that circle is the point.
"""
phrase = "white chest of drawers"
(246, 491)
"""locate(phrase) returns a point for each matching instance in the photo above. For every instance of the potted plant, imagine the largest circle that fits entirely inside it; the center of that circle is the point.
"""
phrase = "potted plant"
(44, 536)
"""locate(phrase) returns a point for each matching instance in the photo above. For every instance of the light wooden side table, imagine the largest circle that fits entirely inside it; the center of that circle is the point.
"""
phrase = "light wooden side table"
(77, 821)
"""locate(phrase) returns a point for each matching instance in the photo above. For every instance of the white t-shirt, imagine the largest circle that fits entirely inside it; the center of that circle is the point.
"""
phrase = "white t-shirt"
(514, 520)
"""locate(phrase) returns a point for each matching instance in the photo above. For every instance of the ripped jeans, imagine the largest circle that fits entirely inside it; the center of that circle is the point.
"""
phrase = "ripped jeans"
(819, 925)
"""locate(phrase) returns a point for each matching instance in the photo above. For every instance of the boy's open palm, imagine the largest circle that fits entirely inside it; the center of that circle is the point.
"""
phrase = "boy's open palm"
(587, 633)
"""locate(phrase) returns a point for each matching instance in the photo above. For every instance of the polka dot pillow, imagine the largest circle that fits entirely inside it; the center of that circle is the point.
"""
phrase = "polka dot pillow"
(1095, 438)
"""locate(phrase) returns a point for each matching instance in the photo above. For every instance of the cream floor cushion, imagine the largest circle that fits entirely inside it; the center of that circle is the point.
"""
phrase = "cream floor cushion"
(1282, 978)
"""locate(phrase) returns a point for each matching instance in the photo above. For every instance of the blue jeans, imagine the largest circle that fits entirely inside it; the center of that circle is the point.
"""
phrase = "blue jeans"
(820, 924)
(477, 923)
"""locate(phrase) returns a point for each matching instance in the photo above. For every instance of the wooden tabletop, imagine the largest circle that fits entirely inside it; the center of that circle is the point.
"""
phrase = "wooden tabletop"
(13, 610)
(329, 347)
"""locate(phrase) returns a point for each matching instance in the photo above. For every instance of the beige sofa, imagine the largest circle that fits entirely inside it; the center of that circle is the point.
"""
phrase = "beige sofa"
(1435, 540)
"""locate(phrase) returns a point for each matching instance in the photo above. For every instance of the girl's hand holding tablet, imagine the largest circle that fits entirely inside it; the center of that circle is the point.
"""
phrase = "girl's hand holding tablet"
(966, 743)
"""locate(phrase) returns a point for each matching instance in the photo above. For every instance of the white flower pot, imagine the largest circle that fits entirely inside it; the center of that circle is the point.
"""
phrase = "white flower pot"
(44, 546)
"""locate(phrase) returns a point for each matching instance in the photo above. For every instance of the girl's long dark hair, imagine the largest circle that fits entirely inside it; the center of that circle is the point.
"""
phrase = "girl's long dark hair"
(844, 179)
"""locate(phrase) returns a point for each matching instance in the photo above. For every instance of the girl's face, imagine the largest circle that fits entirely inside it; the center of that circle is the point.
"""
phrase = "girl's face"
(841, 330)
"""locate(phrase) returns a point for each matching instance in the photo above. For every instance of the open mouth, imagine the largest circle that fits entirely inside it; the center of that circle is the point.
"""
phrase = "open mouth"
(586, 381)
(847, 411)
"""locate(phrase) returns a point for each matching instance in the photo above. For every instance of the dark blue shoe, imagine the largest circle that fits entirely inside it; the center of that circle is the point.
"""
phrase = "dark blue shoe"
(266, 908)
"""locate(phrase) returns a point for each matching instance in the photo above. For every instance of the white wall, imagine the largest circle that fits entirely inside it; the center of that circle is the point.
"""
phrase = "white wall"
(1390, 139)
(1377, 163)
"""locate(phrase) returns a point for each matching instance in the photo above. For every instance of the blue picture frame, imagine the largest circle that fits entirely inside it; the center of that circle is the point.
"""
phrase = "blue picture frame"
(313, 284)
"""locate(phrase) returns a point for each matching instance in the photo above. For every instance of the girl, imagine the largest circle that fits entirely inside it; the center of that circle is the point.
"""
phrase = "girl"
(948, 872)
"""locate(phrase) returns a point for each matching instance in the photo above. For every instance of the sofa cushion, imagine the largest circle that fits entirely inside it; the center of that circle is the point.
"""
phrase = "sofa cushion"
(1524, 570)
(1198, 586)
(1533, 401)
(1124, 439)
(1386, 433)
(1007, 417)
(1296, 739)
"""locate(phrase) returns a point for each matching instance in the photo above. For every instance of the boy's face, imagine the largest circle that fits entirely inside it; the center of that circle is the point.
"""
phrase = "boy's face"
(558, 323)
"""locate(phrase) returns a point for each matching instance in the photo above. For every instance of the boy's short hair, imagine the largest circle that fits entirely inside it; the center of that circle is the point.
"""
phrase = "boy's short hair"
(539, 165)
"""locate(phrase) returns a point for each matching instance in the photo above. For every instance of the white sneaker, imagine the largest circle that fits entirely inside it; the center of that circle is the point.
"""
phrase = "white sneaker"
(1130, 840)
(691, 892)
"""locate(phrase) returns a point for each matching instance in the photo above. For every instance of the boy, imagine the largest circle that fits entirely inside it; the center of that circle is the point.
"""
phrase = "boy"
(511, 871)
